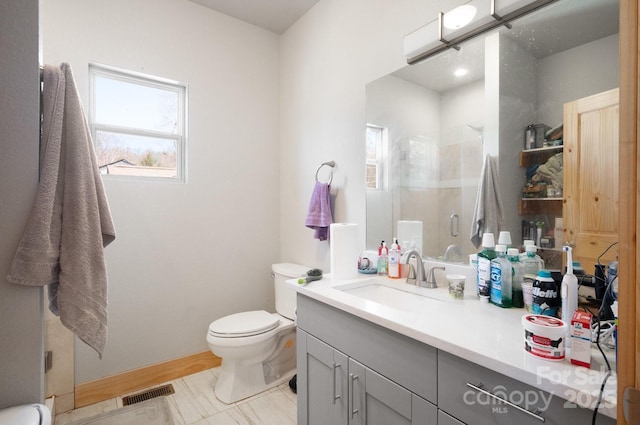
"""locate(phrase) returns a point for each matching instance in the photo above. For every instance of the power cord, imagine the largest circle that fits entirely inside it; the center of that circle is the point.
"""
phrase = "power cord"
(598, 334)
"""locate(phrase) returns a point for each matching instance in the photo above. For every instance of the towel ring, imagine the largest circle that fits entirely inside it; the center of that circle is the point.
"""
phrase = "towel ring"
(329, 164)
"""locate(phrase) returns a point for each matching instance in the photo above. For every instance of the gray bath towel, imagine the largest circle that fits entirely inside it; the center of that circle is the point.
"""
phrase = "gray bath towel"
(70, 222)
(487, 215)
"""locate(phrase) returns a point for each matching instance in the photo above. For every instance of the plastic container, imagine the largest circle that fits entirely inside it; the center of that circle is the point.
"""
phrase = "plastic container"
(383, 259)
(517, 277)
(532, 262)
(501, 278)
(484, 266)
(394, 261)
(546, 299)
(544, 336)
(527, 294)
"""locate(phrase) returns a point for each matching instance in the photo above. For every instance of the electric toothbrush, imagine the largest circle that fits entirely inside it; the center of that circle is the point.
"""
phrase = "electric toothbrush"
(569, 292)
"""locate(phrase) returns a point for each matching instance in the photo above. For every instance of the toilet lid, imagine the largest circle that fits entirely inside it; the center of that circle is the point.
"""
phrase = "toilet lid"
(247, 323)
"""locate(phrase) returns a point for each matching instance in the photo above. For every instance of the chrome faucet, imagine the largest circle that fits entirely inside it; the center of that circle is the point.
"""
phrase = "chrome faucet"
(415, 275)
(452, 252)
(431, 277)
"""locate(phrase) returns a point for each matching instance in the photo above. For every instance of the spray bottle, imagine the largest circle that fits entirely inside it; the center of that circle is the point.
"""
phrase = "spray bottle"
(569, 292)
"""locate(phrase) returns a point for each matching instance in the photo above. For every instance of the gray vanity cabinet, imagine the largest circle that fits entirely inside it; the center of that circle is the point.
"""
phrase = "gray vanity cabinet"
(473, 395)
(334, 389)
(354, 372)
(386, 378)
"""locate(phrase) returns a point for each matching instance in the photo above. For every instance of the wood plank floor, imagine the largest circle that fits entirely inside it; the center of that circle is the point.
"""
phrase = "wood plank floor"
(194, 403)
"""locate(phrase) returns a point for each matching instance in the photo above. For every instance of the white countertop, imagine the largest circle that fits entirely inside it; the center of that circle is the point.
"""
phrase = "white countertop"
(482, 333)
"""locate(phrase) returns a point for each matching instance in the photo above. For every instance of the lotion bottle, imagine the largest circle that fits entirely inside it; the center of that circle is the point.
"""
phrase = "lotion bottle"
(394, 261)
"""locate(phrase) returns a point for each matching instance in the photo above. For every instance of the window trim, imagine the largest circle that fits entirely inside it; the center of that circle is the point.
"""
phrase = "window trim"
(380, 157)
(142, 79)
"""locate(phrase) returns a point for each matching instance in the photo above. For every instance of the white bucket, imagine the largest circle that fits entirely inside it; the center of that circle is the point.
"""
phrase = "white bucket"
(544, 336)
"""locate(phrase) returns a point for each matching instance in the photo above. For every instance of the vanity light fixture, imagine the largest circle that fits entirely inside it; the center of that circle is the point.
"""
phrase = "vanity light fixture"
(460, 72)
(459, 17)
(449, 29)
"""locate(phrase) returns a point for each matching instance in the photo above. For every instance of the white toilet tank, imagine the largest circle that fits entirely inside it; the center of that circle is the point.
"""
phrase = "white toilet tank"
(286, 292)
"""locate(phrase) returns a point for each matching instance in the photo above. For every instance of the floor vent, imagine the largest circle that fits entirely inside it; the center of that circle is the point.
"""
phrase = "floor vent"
(147, 395)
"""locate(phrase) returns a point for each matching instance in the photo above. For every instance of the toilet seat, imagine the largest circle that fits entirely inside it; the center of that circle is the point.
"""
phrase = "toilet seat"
(247, 323)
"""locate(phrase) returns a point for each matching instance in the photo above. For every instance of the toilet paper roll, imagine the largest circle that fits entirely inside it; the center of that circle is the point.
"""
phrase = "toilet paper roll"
(410, 231)
(344, 249)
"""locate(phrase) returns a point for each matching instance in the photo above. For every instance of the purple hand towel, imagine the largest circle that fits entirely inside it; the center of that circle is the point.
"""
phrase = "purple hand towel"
(319, 216)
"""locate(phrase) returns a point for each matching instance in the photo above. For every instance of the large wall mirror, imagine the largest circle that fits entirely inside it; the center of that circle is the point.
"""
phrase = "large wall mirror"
(430, 125)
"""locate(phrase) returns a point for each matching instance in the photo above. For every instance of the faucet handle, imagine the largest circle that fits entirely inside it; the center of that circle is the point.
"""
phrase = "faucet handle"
(411, 274)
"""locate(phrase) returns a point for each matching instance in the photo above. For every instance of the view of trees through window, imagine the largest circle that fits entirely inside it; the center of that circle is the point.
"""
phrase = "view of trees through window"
(137, 123)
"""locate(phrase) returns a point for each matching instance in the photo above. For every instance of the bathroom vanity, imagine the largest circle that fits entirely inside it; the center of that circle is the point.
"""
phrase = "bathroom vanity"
(379, 351)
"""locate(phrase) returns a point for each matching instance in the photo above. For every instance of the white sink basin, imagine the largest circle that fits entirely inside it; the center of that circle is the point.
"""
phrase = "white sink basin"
(400, 296)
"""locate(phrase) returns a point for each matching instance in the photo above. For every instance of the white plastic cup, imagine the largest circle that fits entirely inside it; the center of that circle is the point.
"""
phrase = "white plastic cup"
(456, 285)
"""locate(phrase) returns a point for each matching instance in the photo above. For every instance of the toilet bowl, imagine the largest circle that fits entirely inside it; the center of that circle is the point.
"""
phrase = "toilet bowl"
(257, 347)
(28, 414)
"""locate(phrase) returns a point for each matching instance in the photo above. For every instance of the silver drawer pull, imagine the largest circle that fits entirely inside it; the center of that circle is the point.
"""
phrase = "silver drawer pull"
(335, 396)
(507, 402)
(351, 398)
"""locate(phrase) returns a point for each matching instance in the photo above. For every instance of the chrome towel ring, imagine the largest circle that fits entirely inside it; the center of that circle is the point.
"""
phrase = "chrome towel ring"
(329, 164)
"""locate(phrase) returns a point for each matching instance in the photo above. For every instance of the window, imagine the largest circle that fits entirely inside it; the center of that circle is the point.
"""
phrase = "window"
(138, 124)
(376, 140)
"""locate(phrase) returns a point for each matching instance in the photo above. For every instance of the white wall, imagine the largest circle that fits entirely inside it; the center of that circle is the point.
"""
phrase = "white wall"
(327, 58)
(185, 254)
(21, 319)
(576, 73)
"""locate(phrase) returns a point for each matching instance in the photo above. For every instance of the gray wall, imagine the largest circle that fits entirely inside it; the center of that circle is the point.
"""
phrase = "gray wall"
(21, 321)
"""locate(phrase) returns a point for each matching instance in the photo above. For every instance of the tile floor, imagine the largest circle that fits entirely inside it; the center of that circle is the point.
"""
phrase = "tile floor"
(194, 403)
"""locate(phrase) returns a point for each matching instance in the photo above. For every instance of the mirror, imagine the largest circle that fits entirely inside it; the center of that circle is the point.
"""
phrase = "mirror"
(430, 125)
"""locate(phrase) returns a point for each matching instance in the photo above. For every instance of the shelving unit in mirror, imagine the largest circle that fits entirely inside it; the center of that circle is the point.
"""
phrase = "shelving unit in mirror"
(538, 155)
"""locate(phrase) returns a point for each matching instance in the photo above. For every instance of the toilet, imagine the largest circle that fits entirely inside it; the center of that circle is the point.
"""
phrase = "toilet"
(28, 414)
(258, 348)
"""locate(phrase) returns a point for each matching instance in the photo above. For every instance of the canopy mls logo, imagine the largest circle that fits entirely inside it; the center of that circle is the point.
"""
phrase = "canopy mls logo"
(500, 399)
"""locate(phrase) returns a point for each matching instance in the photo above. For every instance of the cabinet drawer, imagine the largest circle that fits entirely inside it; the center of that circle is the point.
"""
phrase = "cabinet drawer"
(401, 359)
(463, 392)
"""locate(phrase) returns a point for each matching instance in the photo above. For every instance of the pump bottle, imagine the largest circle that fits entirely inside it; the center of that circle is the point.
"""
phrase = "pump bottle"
(394, 260)
(383, 259)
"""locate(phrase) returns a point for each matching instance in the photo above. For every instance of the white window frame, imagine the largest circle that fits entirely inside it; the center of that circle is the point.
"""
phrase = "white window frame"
(138, 78)
(379, 162)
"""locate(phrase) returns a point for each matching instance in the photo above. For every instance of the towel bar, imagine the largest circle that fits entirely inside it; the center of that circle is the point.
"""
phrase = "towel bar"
(330, 164)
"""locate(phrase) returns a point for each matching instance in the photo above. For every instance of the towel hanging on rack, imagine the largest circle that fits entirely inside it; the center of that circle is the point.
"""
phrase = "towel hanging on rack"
(488, 212)
(319, 216)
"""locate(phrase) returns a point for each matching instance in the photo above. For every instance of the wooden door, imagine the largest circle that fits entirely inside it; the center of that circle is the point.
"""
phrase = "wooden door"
(590, 209)
(628, 376)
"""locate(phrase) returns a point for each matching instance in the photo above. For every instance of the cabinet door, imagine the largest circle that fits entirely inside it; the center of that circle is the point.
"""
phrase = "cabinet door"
(444, 419)
(591, 177)
(322, 383)
(375, 400)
